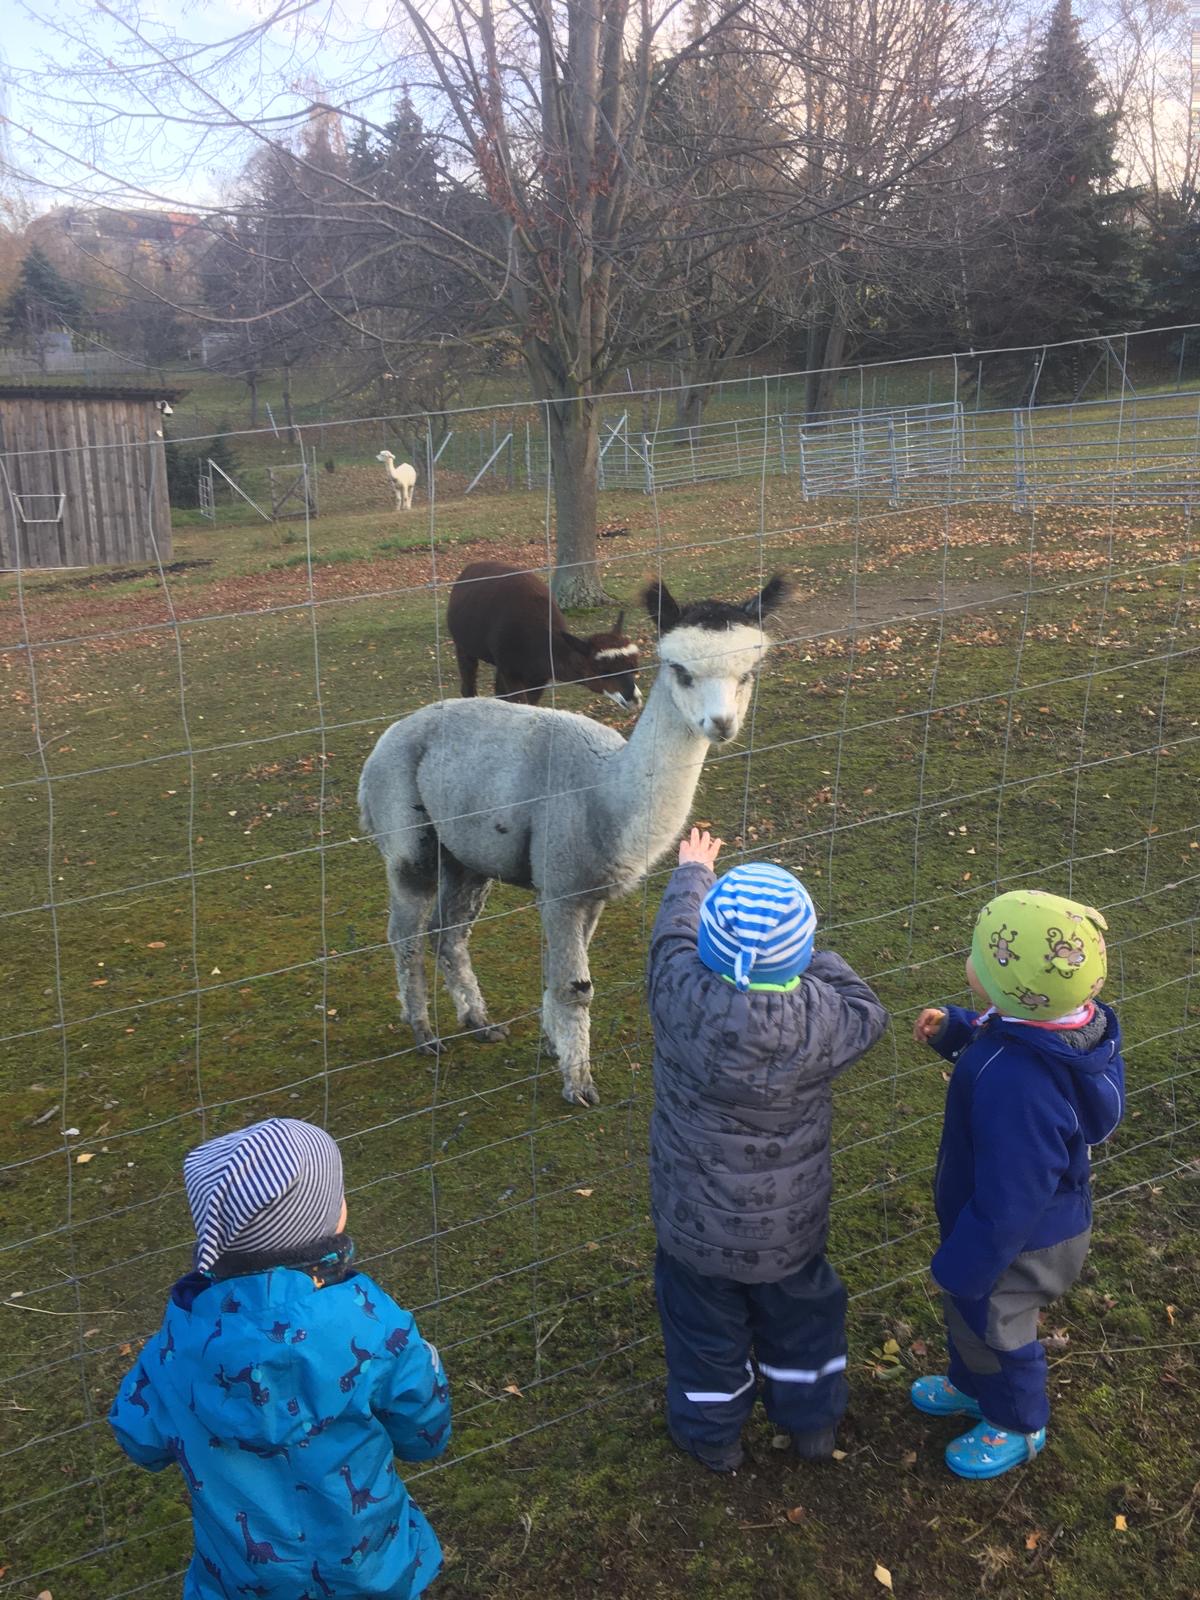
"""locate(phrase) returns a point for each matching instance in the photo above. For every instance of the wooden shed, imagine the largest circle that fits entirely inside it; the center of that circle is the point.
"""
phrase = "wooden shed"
(83, 475)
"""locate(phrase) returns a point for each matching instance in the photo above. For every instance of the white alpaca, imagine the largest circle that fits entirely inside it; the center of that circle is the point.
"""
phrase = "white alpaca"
(403, 478)
(466, 791)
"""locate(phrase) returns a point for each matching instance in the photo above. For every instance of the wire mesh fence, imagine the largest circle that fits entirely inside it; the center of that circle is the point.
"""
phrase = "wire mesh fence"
(985, 680)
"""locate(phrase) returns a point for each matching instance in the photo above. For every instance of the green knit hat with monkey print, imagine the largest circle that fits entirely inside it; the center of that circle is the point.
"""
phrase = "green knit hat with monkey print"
(1037, 955)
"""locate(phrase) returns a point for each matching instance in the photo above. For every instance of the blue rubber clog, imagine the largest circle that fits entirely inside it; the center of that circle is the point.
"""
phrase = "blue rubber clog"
(937, 1397)
(988, 1451)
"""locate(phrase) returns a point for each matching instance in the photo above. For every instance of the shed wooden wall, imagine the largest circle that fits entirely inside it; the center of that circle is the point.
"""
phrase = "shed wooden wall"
(116, 508)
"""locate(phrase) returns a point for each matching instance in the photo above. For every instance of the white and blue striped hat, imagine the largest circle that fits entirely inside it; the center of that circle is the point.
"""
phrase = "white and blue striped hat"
(274, 1186)
(757, 923)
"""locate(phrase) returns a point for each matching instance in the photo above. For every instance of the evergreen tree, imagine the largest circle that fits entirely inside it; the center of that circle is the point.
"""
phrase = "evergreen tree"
(42, 298)
(410, 159)
(1065, 267)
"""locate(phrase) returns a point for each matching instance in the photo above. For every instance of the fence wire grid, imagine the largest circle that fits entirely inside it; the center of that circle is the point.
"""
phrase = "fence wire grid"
(987, 677)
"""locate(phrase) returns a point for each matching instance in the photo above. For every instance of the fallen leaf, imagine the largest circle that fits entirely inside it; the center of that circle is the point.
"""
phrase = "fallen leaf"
(797, 1514)
(126, 1350)
(99, 983)
(511, 1388)
(586, 1193)
(1170, 1310)
(45, 1595)
(909, 1458)
(839, 1455)
(1031, 1539)
(84, 1156)
(1120, 1524)
(891, 1347)
(918, 1348)
(883, 1576)
(157, 944)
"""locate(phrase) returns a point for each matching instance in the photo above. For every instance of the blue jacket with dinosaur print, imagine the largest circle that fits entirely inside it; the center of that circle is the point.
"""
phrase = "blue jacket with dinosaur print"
(284, 1404)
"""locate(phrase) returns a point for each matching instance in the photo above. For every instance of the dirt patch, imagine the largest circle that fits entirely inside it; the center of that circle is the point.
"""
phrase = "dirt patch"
(119, 575)
(878, 602)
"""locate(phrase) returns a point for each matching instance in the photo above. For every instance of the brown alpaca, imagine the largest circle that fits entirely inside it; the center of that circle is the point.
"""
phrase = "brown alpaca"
(508, 618)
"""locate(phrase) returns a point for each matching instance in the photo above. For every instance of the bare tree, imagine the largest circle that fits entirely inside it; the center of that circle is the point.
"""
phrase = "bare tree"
(607, 182)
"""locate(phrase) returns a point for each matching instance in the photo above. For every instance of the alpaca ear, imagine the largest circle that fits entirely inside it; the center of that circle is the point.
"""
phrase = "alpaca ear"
(661, 606)
(771, 598)
(620, 622)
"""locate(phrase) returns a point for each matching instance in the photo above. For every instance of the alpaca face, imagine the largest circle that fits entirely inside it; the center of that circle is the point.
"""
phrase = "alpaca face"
(710, 673)
(710, 651)
(617, 663)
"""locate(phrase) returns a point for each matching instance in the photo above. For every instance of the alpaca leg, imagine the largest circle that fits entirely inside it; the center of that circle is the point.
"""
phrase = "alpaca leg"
(408, 493)
(410, 896)
(511, 689)
(468, 674)
(461, 898)
(566, 1018)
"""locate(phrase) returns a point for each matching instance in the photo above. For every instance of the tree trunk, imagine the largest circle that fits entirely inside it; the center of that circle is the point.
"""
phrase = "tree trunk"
(826, 346)
(287, 402)
(574, 453)
(690, 401)
(252, 385)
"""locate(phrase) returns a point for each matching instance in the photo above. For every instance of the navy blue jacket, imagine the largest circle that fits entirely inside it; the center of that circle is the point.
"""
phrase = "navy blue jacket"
(1022, 1108)
(283, 1405)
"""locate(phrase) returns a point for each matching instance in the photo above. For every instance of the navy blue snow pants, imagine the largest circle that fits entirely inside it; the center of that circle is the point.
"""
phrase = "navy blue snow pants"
(723, 1338)
(995, 1354)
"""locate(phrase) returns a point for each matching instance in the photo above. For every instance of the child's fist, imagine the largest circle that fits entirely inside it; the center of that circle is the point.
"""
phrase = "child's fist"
(927, 1024)
(701, 847)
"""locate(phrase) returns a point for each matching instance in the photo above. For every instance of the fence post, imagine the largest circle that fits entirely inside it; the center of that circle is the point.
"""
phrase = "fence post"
(528, 458)
(803, 465)
(1179, 374)
(1019, 497)
(649, 460)
(737, 443)
(782, 445)
(895, 495)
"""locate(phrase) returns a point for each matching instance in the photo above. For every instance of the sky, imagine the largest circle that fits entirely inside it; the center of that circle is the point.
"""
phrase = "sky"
(81, 131)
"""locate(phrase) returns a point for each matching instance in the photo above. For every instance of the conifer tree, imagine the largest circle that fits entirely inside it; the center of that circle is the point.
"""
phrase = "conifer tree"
(1065, 266)
(42, 298)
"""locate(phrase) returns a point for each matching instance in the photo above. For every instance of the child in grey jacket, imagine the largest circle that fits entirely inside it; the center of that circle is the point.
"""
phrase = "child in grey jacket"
(750, 1030)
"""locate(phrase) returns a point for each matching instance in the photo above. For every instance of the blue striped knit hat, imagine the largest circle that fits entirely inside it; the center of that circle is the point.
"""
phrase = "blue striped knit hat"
(274, 1186)
(757, 924)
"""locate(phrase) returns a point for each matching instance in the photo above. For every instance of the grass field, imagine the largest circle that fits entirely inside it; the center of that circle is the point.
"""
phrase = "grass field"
(965, 696)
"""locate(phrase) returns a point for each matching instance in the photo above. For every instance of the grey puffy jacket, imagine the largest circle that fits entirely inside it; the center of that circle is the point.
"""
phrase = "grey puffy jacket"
(740, 1172)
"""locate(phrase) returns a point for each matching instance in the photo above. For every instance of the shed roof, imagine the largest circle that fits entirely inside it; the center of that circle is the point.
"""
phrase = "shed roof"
(49, 389)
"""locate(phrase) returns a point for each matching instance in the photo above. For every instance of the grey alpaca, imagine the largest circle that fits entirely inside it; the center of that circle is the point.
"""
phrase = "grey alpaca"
(467, 791)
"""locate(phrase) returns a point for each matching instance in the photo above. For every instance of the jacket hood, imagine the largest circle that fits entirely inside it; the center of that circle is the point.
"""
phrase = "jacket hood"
(1090, 1060)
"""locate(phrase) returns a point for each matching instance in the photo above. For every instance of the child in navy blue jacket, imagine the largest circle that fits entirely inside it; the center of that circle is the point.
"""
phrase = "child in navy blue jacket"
(283, 1382)
(1037, 1080)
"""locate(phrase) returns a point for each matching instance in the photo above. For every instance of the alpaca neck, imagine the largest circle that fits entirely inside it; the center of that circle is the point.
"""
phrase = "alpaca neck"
(653, 780)
(569, 663)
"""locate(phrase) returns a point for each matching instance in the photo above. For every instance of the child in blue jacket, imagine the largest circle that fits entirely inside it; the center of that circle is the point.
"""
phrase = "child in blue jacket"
(1038, 1078)
(283, 1382)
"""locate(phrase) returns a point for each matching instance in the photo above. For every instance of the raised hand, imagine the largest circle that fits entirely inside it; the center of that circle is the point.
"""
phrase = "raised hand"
(701, 847)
